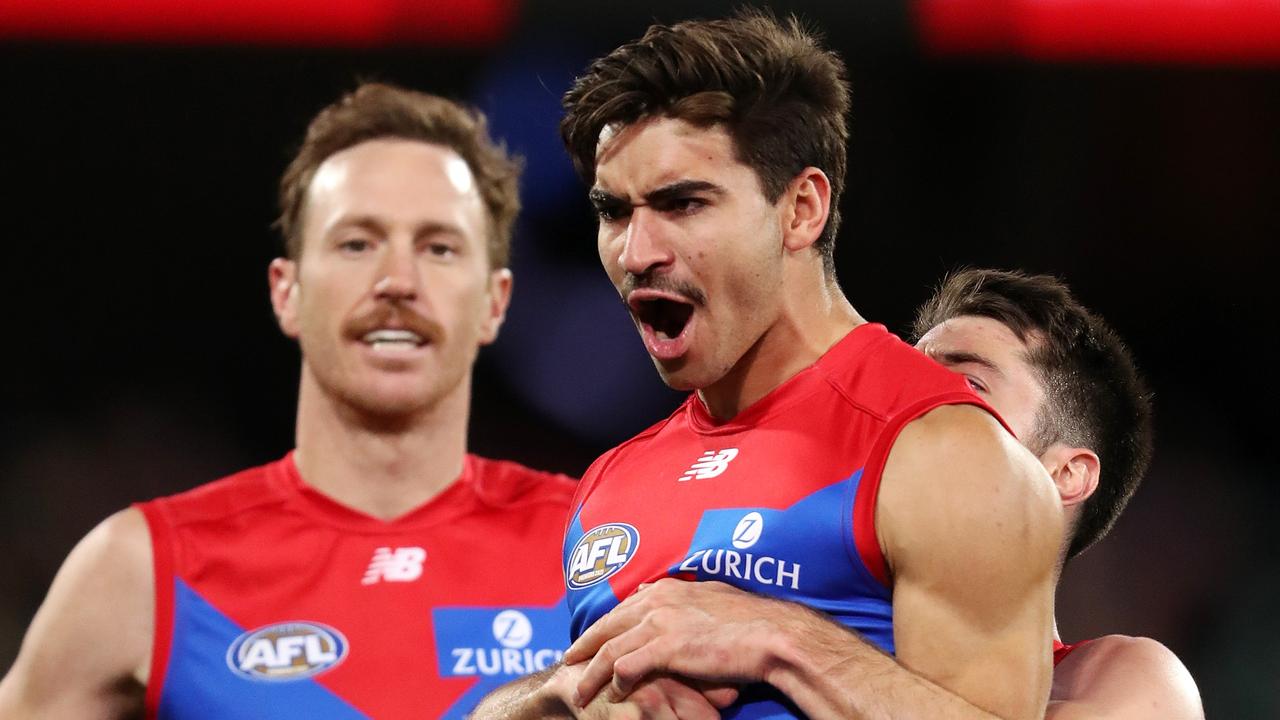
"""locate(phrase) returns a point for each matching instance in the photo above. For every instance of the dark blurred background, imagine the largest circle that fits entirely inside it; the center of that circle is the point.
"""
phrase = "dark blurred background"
(1137, 156)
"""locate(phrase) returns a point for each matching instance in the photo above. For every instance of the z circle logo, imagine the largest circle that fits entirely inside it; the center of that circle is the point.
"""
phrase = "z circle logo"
(512, 629)
(748, 531)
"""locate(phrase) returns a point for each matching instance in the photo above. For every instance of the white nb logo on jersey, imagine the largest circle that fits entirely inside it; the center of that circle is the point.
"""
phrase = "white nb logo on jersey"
(395, 565)
(711, 464)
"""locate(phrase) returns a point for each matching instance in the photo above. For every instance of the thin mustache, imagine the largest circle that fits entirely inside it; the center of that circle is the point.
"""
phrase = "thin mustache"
(632, 282)
(383, 315)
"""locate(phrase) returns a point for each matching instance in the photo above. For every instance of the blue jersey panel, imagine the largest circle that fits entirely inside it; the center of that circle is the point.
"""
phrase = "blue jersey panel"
(497, 645)
(803, 553)
(202, 684)
(797, 554)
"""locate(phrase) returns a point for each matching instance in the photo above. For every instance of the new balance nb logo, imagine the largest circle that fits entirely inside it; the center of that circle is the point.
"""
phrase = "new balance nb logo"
(395, 565)
(711, 464)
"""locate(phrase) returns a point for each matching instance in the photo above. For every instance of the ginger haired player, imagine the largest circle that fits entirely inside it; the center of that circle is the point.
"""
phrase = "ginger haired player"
(378, 570)
(1065, 382)
(819, 460)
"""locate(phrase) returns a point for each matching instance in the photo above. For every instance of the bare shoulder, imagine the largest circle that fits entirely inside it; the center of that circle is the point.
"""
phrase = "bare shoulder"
(114, 557)
(956, 468)
(1124, 677)
(87, 652)
(970, 526)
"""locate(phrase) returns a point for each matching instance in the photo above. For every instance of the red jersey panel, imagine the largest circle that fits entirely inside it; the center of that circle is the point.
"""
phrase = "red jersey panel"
(780, 500)
(274, 601)
(1062, 650)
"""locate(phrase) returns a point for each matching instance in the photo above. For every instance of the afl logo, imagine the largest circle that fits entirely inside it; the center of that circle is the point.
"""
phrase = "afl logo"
(286, 651)
(601, 553)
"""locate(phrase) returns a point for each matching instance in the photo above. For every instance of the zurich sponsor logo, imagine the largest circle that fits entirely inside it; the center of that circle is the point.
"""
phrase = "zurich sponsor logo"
(750, 568)
(601, 553)
(286, 651)
(513, 631)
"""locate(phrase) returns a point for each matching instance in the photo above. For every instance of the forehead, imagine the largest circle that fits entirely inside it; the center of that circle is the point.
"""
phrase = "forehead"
(984, 336)
(656, 151)
(394, 181)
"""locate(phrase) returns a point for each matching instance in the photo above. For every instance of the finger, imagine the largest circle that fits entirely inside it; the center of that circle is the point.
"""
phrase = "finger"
(687, 702)
(720, 696)
(615, 622)
(647, 703)
(599, 670)
(655, 655)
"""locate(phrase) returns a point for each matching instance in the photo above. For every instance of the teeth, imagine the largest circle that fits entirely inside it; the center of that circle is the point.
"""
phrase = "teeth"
(393, 336)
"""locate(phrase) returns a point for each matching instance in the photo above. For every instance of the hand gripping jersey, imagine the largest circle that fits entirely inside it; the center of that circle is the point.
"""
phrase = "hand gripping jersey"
(780, 500)
(273, 601)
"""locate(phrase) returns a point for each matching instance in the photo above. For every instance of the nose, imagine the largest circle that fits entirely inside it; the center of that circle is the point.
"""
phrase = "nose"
(397, 274)
(643, 245)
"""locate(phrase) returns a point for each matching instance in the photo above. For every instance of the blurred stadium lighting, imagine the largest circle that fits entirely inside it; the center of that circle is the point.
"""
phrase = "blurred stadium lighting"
(344, 23)
(1159, 31)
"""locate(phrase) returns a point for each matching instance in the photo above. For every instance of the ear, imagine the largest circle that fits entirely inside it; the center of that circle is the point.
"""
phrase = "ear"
(808, 205)
(282, 278)
(500, 282)
(1074, 471)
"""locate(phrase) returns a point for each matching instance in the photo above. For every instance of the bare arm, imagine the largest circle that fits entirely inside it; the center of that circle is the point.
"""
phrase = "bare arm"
(88, 650)
(531, 697)
(718, 633)
(549, 695)
(971, 526)
(1123, 678)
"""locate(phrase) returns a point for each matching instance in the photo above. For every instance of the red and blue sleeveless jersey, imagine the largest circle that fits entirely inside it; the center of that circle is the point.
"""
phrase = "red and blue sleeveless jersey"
(780, 500)
(274, 601)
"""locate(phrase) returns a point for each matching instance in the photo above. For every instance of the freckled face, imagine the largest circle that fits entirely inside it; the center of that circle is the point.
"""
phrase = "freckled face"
(995, 362)
(690, 242)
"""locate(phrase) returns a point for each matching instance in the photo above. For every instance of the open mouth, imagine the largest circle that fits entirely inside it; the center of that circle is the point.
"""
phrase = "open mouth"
(667, 318)
(393, 340)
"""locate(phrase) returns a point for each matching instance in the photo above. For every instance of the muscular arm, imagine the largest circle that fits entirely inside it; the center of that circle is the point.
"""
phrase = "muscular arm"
(548, 695)
(532, 696)
(970, 524)
(1123, 678)
(88, 650)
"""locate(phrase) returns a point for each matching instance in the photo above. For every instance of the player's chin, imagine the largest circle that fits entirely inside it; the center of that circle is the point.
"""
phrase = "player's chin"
(392, 398)
(683, 373)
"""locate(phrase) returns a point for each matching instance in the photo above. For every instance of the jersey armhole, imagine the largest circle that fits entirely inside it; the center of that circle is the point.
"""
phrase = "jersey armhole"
(162, 632)
(865, 539)
(1061, 650)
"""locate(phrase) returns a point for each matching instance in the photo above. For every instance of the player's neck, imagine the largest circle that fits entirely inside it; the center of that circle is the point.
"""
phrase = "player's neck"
(808, 325)
(379, 466)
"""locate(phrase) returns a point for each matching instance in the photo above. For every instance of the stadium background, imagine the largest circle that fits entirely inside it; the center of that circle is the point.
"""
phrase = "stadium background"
(1134, 153)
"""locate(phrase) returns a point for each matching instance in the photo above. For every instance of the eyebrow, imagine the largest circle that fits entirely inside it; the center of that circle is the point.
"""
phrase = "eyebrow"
(372, 224)
(663, 194)
(960, 358)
